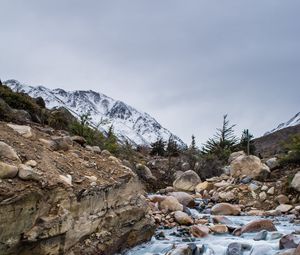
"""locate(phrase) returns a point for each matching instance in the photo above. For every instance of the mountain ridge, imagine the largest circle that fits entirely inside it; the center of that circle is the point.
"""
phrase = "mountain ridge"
(129, 124)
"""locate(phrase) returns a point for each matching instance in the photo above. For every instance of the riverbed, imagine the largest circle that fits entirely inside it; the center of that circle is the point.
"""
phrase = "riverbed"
(217, 243)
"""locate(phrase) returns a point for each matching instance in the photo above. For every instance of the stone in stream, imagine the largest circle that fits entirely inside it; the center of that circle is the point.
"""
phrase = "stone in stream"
(184, 198)
(262, 235)
(289, 241)
(219, 229)
(237, 248)
(255, 226)
(183, 218)
(225, 209)
(199, 231)
(171, 204)
(261, 249)
(224, 220)
(188, 249)
(275, 235)
(287, 252)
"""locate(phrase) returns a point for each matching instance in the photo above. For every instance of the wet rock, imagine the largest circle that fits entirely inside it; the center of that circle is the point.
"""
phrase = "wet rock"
(171, 204)
(189, 249)
(284, 208)
(275, 235)
(287, 252)
(262, 235)
(296, 182)
(260, 249)
(183, 218)
(219, 229)
(237, 248)
(225, 209)
(289, 241)
(24, 131)
(250, 166)
(255, 226)
(282, 199)
(7, 171)
(7, 152)
(187, 181)
(26, 173)
(199, 231)
(224, 220)
(184, 198)
(246, 180)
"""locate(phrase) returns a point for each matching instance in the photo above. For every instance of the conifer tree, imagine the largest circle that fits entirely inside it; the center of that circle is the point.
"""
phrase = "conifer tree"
(111, 143)
(246, 143)
(158, 148)
(223, 142)
(172, 148)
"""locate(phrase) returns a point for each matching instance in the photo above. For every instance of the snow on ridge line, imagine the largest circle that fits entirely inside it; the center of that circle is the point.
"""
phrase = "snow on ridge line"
(292, 122)
(137, 126)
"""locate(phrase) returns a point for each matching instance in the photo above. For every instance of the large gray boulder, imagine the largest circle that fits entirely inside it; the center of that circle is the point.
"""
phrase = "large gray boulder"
(187, 181)
(250, 166)
(296, 182)
(144, 172)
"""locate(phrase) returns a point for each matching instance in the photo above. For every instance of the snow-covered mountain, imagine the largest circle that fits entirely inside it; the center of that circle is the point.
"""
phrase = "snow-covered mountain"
(129, 124)
(292, 122)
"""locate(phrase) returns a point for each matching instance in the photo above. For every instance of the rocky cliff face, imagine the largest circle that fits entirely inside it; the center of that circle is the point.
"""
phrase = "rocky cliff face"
(64, 199)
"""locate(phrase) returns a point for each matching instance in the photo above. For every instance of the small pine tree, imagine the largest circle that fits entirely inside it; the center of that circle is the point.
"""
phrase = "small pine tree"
(111, 142)
(172, 148)
(246, 143)
(158, 148)
(192, 153)
(193, 143)
(223, 142)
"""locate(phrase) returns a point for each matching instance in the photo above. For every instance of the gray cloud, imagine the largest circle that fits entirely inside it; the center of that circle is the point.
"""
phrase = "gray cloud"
(184, 62)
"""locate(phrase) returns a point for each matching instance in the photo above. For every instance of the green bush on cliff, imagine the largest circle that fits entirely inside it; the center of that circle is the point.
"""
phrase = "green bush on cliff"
(292, 148)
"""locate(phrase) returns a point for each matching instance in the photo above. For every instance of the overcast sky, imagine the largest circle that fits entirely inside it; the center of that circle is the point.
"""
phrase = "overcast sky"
(184, 62)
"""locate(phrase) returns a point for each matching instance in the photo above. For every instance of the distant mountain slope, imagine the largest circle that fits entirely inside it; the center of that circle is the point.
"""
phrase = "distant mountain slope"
(272, 143)
(292, 122)
(129, 124)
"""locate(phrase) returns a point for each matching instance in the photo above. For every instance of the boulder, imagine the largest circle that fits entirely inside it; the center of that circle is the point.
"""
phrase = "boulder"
(187, 181)
(7, 171)
(188, 249)
(219, 229)
(184, 198)
(287, 252)
(284, 208)
(63, 143)
(204, 186)
(289, 241)
(144, 172)
(170, 204)
(262, 235)
(78, 139)
(183, 218)
(250, 166)
(227, 196)
(185, 166)
(224, 221)
(237, 248)
(256, 226)
(26, 173)
(23, 130)
(233, 156)
(272, 163)
(199, 231)
(225, 209)
(105, 153)
(296, 182)
(282, 199)
(262, 196)
(7, 152)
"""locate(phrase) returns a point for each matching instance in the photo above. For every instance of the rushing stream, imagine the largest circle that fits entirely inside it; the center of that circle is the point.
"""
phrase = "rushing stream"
(217, 244)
